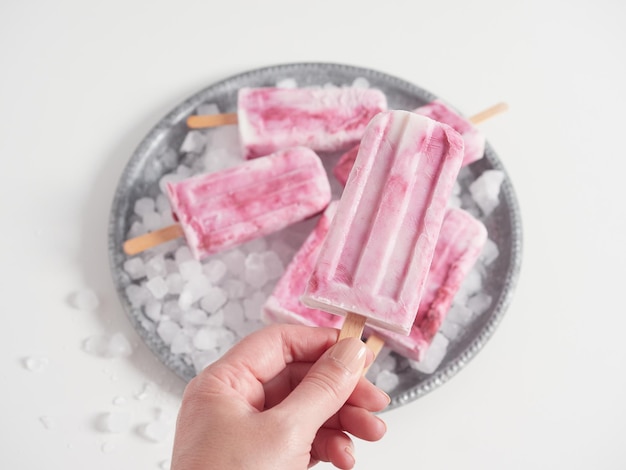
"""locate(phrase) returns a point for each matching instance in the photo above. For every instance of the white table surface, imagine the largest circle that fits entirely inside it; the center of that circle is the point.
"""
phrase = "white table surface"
(81, 83)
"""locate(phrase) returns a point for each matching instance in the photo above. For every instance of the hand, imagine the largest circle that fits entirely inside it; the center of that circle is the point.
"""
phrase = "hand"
(285, 397)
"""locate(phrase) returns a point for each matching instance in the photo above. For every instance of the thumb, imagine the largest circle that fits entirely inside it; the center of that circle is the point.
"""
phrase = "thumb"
(328, 384)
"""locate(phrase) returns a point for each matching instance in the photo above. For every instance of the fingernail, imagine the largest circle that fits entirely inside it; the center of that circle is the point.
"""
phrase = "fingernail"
(350, 451)
(350, 353)
(387, 397)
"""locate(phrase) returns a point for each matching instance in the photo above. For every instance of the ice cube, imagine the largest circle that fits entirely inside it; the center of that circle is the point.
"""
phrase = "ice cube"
(387, 380)
(235, 261)
(216, 319)
(213, 300)
(450, 330)
(35, 364)
(175, 283)
(273, 264)
(235, 289)
(256, 273)
(85, 299)
(434, 355)
(152, 221)
(118, 346)
(252, 306)
(138, 295)
(205, 338)
(479, 303)
(233, 315)
(215, 270)
(183, 254)
(486, 190)
(194, 317)
(116, 421)
(169, 178)
(459, 314)
(156, 266)
(136, 229)
(135, 268)
(162, 204)
(157, 287)
(194, 142)
(255, 246)
(167, 330)
(360, 82)
(490, 252)
(181, 344)
(287, 83)
(201, 359)
(470, 286)
(144, 205)
(191, 270)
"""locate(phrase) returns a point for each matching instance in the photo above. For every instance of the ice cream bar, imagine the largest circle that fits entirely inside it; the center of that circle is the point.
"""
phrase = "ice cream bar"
(284, 305)
(375, 259)
(461, 240)
(219, 210)
(323, 119)
(473, 139)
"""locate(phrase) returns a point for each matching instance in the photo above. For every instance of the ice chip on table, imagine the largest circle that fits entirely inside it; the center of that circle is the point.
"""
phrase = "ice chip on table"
(85, 299)
(36, 364)
(324, 119)
(376, 256)
(473, 139)
(284, 305)
(220, 210)
(458, 247)
(486, 190)
(116, 421)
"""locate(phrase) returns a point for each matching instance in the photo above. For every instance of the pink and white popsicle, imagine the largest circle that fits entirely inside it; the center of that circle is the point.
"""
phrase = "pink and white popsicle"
(374, 261)
(216, 211)
(323, 119)
(460, 242)
(473, 139)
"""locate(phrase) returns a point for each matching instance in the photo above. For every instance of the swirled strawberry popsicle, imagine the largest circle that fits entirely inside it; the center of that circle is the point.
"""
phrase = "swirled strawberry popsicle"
(323, 119)
(473, 139)
(374, 261)
(216, 211)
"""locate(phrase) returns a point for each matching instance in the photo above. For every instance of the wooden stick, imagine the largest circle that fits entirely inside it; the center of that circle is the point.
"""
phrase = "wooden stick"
(211, 120)
(488, 113)
(141, 243)
(352, 326)
(375, 343)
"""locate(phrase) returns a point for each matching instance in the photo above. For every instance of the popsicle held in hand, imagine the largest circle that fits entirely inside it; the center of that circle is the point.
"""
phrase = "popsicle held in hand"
(216, 211)
(323, 119)
(375, 259)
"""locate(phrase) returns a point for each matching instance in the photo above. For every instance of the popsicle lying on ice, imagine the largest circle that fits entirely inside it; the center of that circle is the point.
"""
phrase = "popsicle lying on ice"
(216, 211)
(460, 242)
(473, 139)
(323, 119)
(374, 261)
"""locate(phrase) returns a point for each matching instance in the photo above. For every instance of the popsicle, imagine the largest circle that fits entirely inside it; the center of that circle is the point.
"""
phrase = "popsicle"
(439, 111)
(374, 261)
(323, 119)
(216, 211)
(461, 240)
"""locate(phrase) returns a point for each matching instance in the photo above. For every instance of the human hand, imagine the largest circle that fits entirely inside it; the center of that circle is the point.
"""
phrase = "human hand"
(284, 397)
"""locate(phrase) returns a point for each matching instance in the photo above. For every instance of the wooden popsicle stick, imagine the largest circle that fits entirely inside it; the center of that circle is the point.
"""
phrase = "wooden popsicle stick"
(375, 343)
(211, 120)
(488, 113)
(141, 243)
(352, 326)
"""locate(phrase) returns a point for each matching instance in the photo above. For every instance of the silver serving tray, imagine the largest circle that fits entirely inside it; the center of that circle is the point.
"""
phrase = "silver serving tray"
(145, 167)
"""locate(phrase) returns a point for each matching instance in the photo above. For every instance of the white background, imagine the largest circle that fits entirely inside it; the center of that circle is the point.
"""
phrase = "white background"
(81, 83)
